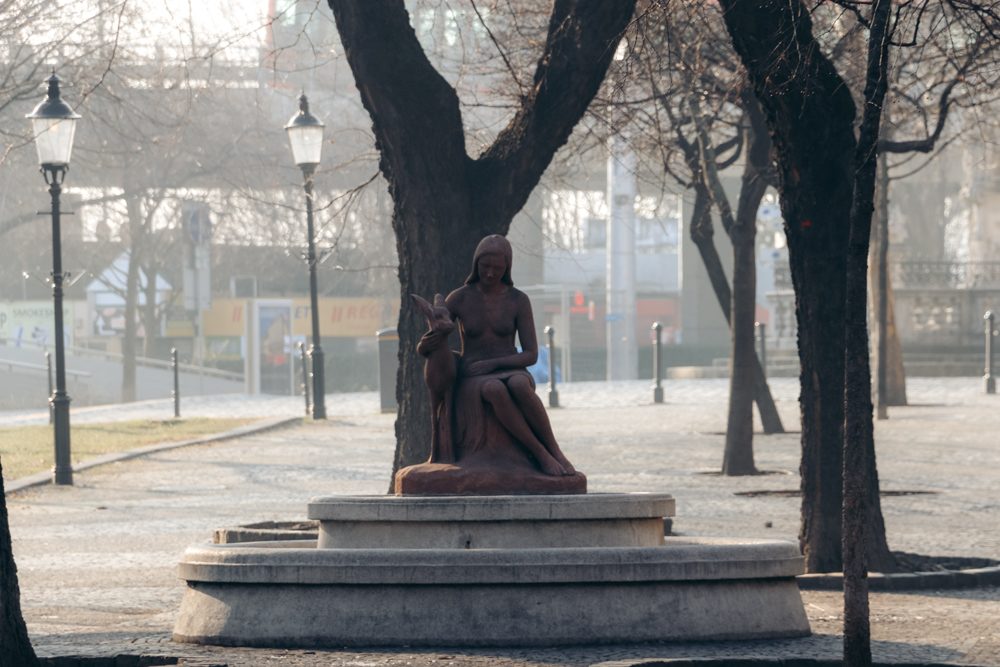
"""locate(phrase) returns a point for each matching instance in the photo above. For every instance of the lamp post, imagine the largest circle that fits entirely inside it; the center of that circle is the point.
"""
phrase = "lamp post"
(54, 124)
(305, 133)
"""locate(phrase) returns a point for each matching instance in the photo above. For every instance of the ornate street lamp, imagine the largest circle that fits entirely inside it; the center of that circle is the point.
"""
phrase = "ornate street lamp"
(305, 133)
(54, 124)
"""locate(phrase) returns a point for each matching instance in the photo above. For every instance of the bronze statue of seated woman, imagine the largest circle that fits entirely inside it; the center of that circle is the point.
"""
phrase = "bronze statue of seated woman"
(499, 439)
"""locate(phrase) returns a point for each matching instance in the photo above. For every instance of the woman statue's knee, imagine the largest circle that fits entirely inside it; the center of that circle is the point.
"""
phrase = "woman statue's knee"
(494, 390)
(520, 385)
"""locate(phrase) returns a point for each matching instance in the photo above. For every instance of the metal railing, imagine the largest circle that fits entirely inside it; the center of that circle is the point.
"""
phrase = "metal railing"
(946, 274)
(146, 362)
(11, 365)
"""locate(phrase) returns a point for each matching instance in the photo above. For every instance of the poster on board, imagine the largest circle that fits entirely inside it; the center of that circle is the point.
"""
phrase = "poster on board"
(271, 350)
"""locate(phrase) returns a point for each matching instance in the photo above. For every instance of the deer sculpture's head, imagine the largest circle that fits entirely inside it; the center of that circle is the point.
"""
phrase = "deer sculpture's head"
(438, 316)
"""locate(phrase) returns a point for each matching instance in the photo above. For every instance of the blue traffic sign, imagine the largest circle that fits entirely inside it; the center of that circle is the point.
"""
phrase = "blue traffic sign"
(200, 227)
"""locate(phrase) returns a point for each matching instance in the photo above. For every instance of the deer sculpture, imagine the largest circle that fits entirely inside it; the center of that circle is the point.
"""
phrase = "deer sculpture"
(439, 374)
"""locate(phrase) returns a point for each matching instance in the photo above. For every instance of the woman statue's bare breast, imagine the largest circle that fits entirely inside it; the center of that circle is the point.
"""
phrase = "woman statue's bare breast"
(488, 324)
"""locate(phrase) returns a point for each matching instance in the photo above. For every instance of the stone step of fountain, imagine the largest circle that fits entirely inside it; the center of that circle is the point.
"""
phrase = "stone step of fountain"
(491, 522)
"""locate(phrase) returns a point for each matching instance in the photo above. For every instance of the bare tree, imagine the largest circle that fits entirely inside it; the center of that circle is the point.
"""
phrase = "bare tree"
(677, 58)
(738, 455)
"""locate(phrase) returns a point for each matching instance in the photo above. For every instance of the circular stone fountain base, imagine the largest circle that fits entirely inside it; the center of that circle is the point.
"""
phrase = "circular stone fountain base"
(534, 584)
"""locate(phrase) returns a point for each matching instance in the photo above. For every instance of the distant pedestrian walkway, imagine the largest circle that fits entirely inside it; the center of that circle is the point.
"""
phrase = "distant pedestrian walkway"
(225, 405)
(625, 393)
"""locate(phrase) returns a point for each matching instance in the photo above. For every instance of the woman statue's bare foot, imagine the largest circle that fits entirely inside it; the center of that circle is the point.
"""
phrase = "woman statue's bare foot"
(563, 461)
(567, 466)
(551, 467)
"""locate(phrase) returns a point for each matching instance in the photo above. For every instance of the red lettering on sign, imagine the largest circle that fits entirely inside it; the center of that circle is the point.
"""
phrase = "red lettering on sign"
(352, 312)
(237, 313)
(577, 300)
(338, 313)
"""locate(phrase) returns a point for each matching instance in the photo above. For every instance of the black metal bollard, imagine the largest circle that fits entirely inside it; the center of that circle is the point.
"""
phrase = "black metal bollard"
(551, 345)
(177, 382)
(48, 365)
(989, 379)
(305, 375)
(657, 363)
(762, 337)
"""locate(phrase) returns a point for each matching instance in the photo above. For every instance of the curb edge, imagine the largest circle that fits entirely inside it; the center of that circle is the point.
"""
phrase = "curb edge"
(45, 477)
(974, 578)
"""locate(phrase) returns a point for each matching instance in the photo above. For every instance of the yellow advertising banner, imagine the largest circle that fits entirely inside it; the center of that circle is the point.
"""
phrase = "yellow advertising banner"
(227, 318)
(180, 329)
(338, 317)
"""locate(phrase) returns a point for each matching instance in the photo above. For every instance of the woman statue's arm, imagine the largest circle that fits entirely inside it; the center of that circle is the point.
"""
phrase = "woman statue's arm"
(431, 341)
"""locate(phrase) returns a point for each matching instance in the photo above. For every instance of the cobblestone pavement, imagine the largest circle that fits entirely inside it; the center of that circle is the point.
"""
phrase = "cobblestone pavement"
(97, 562)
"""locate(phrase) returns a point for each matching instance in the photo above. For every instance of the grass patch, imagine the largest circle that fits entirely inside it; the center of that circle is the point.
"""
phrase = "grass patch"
(25, 450)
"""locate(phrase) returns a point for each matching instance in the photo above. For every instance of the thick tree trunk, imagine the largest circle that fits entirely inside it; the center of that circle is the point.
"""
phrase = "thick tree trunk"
(150, 322)
(895, 378)
(810, 113)
(895, 371)
(129, 339)
(891, 384)
(746, 373)
(743, 234)
(737, 457)
(129, 343)
(701, 233)
(758, 174)
(445, 201)
(15, 647)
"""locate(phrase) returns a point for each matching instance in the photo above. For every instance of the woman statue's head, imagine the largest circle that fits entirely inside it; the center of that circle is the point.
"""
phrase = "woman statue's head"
(498, 247)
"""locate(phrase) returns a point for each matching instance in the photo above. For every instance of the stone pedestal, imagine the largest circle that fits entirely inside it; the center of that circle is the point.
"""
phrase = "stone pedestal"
(490, 571)
(491, 522)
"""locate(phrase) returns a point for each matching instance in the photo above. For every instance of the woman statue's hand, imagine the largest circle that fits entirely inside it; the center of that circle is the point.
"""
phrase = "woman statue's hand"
(480, 367)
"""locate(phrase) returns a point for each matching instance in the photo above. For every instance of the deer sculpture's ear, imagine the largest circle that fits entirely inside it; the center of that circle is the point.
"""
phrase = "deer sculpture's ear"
(424, 307)
(439, 301)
